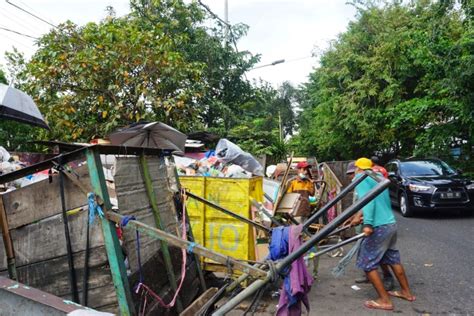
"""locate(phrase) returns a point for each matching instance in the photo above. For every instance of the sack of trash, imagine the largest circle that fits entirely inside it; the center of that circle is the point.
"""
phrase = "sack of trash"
(228, 152)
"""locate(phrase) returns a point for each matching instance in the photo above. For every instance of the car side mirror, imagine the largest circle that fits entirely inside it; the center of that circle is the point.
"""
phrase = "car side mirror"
(459, 171)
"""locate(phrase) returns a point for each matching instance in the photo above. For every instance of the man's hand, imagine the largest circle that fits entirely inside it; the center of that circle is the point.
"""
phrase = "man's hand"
(367, 230)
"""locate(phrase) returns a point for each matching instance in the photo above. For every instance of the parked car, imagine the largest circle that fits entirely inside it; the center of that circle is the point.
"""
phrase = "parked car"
(428, 184)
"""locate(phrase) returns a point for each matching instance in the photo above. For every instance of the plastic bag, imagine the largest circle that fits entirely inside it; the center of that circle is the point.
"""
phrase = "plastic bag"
(229, 152)
(4, 154)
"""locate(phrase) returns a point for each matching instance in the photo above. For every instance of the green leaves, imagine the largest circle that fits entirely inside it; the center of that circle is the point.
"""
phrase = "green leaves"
(160, 62)
(398, 81)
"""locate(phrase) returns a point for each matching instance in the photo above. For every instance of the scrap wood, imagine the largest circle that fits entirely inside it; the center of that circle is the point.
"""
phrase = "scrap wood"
(195, 306)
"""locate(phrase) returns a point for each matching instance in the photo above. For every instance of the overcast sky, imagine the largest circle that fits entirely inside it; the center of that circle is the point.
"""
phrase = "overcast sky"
(279, 29)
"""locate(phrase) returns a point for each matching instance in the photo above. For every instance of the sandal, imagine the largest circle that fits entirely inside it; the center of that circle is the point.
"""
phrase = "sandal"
(374, 305)
(400, 295)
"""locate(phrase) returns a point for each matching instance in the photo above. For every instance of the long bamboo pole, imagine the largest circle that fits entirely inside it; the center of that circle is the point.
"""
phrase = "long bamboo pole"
(196, 248)
(156, 214)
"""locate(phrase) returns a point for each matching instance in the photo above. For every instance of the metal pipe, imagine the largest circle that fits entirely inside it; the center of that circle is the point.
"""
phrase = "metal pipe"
(230, 213)
(342, 243)
(337, 231)
(326, 230)
(333, 202)
(70, 259)
(85, 276)
(255, 286)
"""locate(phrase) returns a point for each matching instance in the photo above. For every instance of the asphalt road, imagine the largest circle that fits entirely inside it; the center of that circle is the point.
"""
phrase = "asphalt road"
(438, 253)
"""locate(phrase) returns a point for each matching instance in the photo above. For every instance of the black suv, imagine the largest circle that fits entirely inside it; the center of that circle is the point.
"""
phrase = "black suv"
(428, 184)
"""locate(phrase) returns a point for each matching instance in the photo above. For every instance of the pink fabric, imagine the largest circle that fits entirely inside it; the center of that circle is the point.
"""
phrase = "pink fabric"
(300, 279)
(332, 214)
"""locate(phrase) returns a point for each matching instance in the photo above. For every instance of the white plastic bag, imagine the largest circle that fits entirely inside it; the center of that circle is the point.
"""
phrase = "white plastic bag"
(227, 151)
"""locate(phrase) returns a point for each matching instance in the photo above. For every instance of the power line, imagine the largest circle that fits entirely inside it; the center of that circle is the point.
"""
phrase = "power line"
(17, 20)
(33, 10)
(16, 32)
(30, 13)
(16, 41)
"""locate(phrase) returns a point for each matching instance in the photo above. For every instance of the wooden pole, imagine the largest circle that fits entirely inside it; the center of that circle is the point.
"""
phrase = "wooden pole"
(178, 242)
(112, 245)
(156, 214)
(7, 242)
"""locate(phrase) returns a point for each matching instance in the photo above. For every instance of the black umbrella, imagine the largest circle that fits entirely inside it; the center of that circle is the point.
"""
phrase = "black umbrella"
(17, 105)
(155, 134)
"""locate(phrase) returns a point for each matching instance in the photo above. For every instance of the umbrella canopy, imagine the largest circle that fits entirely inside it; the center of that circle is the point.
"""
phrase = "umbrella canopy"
(155, 134)
(17, 105)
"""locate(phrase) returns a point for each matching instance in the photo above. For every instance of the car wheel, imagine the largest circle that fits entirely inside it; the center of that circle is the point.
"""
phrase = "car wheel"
(405, 208)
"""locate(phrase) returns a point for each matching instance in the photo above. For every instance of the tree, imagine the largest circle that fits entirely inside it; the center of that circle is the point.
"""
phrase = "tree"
(266, 120)
(398, 81)
(160, 62)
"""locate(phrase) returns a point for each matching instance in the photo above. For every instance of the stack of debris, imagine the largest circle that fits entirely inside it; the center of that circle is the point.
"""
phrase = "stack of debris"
(227, 160)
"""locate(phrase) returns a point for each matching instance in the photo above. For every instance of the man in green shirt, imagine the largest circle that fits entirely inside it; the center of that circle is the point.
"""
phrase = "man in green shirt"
(379, 245)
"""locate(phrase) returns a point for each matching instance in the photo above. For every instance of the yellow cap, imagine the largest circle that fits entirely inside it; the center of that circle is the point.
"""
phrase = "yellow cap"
(363, 163)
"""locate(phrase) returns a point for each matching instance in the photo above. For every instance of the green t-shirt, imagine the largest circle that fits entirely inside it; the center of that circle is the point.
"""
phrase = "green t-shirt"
(378, 211)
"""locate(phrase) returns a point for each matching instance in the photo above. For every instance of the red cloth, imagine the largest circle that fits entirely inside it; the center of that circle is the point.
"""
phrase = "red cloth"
(381, 170)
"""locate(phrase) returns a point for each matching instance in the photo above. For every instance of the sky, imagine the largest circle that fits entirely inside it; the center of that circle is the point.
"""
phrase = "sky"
(294, 30)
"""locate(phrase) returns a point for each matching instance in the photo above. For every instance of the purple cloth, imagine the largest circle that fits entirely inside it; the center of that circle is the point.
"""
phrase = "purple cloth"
(296, 289)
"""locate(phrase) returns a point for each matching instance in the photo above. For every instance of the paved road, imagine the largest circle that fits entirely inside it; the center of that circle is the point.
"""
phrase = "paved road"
(438, 254)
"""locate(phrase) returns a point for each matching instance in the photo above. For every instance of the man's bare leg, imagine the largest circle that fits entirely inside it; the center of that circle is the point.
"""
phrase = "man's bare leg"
(374, 278)
(399, 272)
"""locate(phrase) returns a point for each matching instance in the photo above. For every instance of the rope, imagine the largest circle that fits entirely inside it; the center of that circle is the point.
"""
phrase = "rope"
(273, 271)
(124, 223)
(340, 268)
(94, 208)
(191, 247)
(143, 290)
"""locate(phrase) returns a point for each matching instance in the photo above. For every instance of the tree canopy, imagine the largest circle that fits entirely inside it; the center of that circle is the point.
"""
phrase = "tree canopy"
(167, 61)
(399, 81)
(160, 62)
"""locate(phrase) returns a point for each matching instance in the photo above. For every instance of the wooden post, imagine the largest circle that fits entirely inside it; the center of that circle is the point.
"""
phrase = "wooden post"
(156, 214)
(7, 242)
(112, 245)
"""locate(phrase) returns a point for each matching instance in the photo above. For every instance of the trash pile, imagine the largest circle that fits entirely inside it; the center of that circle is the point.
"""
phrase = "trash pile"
(227, 160)
(10, 163)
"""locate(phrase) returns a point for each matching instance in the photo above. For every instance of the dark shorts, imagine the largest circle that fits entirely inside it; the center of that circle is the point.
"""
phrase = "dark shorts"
(379, 248)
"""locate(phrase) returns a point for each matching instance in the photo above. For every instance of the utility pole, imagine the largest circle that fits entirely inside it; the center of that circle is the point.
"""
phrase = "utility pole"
(226, 19)
(280, 126)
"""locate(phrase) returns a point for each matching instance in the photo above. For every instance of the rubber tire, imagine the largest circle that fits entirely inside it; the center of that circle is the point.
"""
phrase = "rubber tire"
(405, 209)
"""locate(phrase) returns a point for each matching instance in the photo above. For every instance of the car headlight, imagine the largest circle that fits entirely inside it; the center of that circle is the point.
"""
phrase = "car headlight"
(420, 188)
(470, 186)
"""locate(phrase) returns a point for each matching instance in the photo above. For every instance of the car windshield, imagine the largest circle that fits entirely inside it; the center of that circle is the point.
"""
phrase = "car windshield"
(426, 168)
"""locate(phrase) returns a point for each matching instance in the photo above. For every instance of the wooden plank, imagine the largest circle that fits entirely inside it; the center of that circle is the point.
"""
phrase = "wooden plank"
(101, 297)
(45, 239)
(52, 275)
(192, 309)
(42, 199)
(112, 245)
